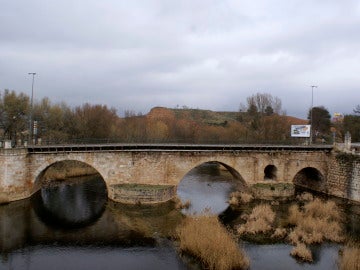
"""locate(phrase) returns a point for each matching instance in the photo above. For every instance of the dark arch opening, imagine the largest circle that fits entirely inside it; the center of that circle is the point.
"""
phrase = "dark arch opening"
(70, 194)
(270, 172)
(310, 178)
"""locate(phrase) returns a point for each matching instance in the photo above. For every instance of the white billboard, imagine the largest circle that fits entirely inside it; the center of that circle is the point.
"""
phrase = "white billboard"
(300, 131)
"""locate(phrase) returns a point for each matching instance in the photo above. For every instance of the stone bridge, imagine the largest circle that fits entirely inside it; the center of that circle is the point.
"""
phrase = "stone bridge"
(165, 165)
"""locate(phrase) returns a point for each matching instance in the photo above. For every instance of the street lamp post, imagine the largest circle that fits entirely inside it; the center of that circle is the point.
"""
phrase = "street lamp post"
(311, 111)
(31, 107)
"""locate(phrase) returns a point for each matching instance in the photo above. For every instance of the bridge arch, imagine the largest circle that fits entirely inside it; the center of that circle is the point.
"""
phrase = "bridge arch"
(270, 172)
(235, 174)
(44, 175)
(310, 177)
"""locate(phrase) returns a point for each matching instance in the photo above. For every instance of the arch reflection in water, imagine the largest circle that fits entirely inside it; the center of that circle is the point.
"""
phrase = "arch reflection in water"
(72, 203)
(207, 186)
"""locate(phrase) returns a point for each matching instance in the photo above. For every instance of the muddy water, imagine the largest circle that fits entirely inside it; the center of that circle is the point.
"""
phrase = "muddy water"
(74, 226)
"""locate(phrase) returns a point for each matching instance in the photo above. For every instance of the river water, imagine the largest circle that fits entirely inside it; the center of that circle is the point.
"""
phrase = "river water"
(72, 225)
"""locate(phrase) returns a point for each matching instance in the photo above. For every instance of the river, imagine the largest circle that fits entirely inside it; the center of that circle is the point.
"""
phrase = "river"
(72, 225)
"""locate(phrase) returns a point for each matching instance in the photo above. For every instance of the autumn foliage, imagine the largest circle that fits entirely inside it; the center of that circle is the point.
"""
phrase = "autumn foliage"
(59, 123)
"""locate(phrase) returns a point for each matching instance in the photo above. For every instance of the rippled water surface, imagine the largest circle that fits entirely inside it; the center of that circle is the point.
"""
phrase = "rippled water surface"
(72, 225)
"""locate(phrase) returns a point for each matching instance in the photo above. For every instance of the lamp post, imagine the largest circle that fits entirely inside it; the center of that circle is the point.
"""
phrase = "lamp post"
(31, 107)
(311, 111)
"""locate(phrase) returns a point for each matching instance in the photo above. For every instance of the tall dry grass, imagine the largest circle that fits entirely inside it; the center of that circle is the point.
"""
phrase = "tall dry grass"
(240, 197)
(316, 222)
(305, 196)
(302, 252)
(260, 220)
(206, 239)
(350, 257)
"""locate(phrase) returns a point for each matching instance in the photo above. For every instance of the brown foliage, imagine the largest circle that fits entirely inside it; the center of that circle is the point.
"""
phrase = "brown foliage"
(316, 222)
(260, 220)
(350, 257)
(205, 238)
(302, 252)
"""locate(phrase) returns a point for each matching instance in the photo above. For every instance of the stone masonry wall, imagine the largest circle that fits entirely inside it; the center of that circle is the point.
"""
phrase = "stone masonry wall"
(344, 176)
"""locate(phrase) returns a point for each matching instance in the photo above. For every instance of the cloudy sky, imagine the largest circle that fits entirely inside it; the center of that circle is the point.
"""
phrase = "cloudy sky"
(208, 54)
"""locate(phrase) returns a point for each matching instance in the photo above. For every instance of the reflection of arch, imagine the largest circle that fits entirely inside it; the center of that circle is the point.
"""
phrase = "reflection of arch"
(311, 178)
(270, 172)
(62, 169)
(73, 205)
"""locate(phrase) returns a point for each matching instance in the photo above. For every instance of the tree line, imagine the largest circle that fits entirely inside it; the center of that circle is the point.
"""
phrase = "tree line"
(260, 120)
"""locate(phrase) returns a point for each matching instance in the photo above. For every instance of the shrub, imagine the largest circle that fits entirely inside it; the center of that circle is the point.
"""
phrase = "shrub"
(206, 239)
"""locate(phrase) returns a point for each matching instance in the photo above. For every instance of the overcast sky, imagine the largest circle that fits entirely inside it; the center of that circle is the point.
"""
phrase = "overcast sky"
(203, 54)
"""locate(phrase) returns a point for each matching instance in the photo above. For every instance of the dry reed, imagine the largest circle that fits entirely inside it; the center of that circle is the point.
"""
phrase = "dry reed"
(317, 222)
(240, 197)
(350, 258)
(305, 197)
(206, 239)
(279, 233)
(260, 220)
(302, 252)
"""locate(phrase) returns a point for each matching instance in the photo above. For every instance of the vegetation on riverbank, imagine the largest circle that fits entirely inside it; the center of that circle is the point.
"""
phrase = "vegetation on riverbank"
(350, 257)
(310, 221)
(260, 220)
(206, 239)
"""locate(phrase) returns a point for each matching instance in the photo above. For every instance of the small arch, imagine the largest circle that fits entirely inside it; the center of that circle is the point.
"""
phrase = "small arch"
(310, 178)
(270, 172)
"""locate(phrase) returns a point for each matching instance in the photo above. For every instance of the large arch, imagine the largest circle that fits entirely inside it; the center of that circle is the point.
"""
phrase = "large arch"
(311, 178)
(42, 177)
(236, 175)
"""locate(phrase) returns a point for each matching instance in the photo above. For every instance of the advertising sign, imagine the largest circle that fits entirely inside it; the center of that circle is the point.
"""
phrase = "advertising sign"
(300, 131)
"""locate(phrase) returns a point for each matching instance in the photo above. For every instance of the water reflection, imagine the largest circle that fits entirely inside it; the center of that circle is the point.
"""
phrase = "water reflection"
(207, 187)
(73, 203)
(75, 227)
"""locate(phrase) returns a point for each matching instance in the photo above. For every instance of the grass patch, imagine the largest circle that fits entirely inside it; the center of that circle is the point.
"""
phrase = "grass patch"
(206, 239)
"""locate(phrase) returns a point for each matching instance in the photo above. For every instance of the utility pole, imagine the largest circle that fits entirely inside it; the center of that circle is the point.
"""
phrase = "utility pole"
(31, 108)
(311, 112)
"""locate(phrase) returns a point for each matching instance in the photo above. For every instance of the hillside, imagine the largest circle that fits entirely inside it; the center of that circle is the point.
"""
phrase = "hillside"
(208, 117)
